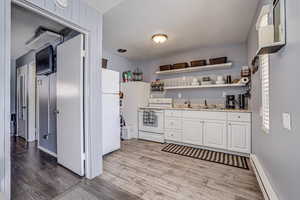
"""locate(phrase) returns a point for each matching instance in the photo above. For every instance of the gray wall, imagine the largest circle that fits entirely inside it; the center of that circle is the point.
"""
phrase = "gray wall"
(26, 59)
(118, 63)
(236, 53)
(46, 143)
(278, 151)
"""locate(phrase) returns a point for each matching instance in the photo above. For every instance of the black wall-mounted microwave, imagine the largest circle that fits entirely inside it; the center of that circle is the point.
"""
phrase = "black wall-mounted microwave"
(45, 61)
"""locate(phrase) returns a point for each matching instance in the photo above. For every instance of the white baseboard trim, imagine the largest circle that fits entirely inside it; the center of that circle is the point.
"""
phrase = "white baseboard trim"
(264, 183)
(47, 151)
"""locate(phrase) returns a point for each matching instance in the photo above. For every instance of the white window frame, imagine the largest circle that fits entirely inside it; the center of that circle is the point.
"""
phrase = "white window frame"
(265, 89)
(265, 81)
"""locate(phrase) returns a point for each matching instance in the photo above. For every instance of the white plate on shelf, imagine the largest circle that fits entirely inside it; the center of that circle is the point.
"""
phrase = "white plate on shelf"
(206, 83)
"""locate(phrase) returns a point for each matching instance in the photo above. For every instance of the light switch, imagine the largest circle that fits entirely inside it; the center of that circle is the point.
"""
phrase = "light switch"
(286, 118)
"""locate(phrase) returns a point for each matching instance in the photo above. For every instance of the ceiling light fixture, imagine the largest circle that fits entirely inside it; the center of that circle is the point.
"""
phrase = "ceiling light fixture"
(159, 38)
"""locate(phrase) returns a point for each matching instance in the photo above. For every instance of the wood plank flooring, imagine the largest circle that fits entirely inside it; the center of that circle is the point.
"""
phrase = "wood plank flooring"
(141, 168)
(37, 176)
(139, 171)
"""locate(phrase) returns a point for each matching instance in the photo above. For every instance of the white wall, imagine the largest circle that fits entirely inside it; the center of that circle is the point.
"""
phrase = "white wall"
(13, 87)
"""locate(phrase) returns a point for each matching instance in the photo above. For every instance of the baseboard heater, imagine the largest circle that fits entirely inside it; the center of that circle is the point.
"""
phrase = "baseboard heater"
(262, 179)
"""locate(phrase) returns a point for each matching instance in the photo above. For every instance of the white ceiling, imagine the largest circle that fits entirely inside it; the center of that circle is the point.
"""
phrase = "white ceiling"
(188, 23)
(103, 5)
(24, 25)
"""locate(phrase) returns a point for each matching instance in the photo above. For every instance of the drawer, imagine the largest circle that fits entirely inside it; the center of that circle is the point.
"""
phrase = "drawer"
(174, 135)
(173, 113)
(205, 115)
(173, 123)
(152, 136)
(242, 117)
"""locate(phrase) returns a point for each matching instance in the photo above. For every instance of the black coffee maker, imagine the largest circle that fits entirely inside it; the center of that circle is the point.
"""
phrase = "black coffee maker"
(230, 101)
(242, 101)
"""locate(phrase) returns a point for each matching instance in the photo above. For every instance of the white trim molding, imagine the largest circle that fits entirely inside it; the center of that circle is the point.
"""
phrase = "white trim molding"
(5, 21)
(62, 3)
(264, 183)
(47, 151)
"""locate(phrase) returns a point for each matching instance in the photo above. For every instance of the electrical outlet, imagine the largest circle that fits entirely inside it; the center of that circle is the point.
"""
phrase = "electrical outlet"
(286, 120)
(179, 95)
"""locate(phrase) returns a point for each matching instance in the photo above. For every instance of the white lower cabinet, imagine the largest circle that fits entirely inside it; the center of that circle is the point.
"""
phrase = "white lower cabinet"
(215, 134)
(192, 131)
(239, 137)
(174, 135)
(227, 131)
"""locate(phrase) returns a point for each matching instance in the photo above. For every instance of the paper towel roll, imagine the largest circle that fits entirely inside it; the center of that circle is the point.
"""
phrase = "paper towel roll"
(244, 80)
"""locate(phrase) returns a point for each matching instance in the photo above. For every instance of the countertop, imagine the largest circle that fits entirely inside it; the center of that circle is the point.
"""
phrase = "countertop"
(198, 109)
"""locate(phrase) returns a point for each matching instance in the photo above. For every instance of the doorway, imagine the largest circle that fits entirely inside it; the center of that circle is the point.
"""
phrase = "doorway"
(47, 147)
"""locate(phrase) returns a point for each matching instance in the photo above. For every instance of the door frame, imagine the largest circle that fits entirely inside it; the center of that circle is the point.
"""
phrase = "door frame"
(17, 102)
(93, 163)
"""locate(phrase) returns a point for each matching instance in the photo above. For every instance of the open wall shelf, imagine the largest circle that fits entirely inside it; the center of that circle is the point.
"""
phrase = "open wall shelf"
(196, 69)
(205, 86)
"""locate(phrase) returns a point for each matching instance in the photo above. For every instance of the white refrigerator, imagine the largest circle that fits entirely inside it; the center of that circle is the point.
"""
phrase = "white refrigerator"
(110, 111)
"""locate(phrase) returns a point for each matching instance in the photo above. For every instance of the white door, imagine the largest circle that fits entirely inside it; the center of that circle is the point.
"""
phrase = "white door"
(192, 131)
(111, 123)
(22, 107)
(239, 137)
(70, 134)
(215, 134)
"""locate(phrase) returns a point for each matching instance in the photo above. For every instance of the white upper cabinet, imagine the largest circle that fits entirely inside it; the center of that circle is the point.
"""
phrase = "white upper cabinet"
(215, 134)
(239, 137)
(192, 131)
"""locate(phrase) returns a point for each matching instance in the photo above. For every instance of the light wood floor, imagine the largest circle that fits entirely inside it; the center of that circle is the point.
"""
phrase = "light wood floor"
(142, 169)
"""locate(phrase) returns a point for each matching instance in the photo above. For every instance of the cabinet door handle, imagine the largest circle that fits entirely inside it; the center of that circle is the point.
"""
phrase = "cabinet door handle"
(229, 124)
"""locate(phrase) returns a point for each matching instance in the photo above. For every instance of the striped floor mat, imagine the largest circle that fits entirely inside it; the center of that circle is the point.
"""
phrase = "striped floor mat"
(207, 155)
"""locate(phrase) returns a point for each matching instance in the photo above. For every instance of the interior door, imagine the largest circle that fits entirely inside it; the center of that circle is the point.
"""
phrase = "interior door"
(70, 133)
(22, 107)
